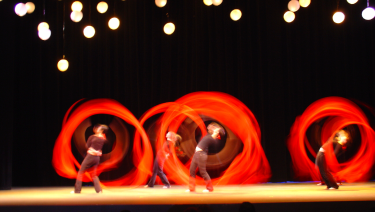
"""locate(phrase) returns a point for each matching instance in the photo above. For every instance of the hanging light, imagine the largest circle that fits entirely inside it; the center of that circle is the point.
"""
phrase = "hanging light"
(43, 25)
(63, 65)
(235, 15)
(20, 9)
(30, 7)
(304, 3)
(368, 13)
(77, 6)
(169, 28)
(207, 2)
(44, 34)
(114, 23)
(76, 16)
(289, 16)
(160, 3)
(352, 1)
(217, 2)
(89, 31)
(102, 7)
(338, 17)
(293, 5)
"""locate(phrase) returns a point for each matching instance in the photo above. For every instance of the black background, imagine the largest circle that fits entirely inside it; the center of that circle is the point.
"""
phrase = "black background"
(276, 68)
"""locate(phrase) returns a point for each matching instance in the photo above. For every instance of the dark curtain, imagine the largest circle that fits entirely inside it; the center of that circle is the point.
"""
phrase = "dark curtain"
(276, 68)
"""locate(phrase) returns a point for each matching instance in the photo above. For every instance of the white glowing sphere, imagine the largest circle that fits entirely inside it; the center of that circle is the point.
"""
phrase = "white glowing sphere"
(160, 3)
(43, 25)
(368, 13)
(289, 16)
(293, 5)
(76, 16)
(217, 2)
(30, 7)
(169, 28)
(63, 65)
(352, 1)
(102, 7)
(207, 2)
(20, 9)
(304, 3)
(77, 6)
(235, 15)
(44, 34)
(89, 32)
(338, 17)
(114, 23)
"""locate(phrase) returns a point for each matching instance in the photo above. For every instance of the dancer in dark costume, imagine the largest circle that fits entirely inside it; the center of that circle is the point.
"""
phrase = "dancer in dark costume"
(94, 145)
(341, 139)
(200, 156)
(160, 158)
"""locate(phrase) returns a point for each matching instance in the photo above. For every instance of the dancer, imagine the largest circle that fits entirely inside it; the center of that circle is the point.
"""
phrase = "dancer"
(160, 158)
(341, 139)
(94, 145)
(200, 156)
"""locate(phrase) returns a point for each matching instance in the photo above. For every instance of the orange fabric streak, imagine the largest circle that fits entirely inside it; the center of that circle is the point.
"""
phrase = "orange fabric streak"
(64, 162)
(342, 112)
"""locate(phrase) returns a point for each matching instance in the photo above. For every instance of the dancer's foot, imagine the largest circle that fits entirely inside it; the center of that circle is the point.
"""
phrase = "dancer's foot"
(189, 190)
(166, 186)
(332, 188)
(146, 186)
(206, 191)
(73, 192)
(100, 192)
(319, 184)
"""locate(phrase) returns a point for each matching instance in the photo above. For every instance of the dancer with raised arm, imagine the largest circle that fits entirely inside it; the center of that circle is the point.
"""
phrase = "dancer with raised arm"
(94, 147)
(161, 156)
(339, 141)
(200, 156)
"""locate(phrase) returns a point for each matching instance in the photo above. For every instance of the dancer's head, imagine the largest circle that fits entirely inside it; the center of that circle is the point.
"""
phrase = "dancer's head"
(100, 128)
(172, 136)
(343, 137)
(213, 127)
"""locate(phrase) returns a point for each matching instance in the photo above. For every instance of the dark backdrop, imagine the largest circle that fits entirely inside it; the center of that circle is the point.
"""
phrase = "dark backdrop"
(276, 68)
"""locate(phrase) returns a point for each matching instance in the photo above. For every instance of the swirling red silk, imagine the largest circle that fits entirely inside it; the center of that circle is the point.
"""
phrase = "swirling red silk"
(249, 166)
(65, 163)
(342, 112)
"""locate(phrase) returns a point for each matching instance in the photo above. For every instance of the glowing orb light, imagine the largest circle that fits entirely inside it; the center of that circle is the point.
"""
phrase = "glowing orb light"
(368, 13)
(352, 1)
(77, 6)
(235, 15)
(89, 31)
(76, 16)
(20, 9)
(114, 23)
(43, 25)
(160, 3)
(63, 65)
(304, 3)
(44, 34)
(289, 16)
(217, 2)
(102, 7)
(169, 28)
(30, 7)
(338, 17)
(207, 2)
(293, 5)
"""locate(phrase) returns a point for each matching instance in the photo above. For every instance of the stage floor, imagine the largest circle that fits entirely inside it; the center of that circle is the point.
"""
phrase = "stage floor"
(258, 194)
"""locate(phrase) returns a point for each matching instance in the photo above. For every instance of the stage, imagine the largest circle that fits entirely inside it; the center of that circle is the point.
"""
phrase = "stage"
(265, 197)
